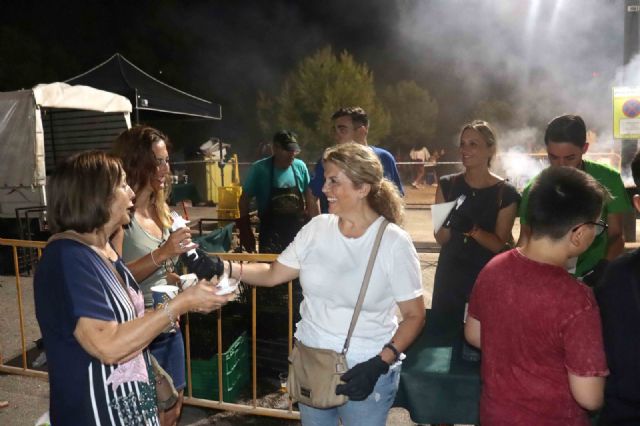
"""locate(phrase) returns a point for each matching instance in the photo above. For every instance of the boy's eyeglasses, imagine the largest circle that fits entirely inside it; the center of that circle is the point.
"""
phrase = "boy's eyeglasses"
(600, 226)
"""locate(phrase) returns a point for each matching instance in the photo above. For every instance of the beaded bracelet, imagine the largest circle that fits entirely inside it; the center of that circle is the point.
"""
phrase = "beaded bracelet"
(230, 269)
(393, 349)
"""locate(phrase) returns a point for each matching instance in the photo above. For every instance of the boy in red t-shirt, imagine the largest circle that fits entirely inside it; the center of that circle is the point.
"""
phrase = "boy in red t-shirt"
(543, 361)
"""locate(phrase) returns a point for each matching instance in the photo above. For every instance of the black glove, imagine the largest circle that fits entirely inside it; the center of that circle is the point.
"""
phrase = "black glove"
(361, 379)
(593, 277)
(202, 265)
(459, 221)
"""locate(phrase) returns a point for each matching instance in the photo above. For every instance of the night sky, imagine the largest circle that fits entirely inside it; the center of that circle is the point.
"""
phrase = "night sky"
(540, 56)
(223, 51)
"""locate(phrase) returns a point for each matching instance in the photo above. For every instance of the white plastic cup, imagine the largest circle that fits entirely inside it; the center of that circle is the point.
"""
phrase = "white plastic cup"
(163, 293)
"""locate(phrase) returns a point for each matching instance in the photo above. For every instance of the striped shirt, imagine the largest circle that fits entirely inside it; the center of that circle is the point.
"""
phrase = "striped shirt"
(71, 282)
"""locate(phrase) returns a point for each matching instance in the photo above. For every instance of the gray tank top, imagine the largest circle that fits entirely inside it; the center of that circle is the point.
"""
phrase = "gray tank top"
(138, 243)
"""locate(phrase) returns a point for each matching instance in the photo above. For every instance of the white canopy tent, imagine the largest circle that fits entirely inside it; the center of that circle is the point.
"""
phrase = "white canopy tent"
(41, 126)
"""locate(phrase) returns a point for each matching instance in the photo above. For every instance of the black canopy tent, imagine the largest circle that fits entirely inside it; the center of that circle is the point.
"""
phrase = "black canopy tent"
(146, 93)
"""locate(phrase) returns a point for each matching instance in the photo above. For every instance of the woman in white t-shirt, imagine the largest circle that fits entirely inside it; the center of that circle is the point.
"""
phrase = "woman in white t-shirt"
(330, 255)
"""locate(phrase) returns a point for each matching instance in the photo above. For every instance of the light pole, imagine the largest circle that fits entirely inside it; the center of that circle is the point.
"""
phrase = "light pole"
(631, 49)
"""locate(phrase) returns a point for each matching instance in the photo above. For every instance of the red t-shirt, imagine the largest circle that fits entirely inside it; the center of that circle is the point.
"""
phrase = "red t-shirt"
(537, 324)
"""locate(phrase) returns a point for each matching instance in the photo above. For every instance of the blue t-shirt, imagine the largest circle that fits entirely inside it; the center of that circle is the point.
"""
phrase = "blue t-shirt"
(388, 166)
(72, 281)
(262, 176)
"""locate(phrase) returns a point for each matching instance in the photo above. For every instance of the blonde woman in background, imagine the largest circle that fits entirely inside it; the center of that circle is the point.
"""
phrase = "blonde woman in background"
(480, 227)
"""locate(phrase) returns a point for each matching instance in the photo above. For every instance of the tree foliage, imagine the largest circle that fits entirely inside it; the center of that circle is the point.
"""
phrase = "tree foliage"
(313, 91)
(414, 115)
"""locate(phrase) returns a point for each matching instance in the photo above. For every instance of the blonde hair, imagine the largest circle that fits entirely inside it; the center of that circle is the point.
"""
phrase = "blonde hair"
(362, 166)
(487, 133)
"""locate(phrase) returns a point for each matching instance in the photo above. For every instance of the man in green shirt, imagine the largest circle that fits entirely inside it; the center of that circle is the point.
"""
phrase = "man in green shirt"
(566, 142)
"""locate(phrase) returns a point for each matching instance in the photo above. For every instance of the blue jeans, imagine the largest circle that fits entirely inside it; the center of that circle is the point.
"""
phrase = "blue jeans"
(372, 411)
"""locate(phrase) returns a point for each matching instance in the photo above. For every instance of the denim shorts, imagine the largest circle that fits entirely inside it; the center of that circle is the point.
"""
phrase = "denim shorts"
(373, 411)
(168, 348)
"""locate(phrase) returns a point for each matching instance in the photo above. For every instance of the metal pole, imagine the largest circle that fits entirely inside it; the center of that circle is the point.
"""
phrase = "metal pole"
(221, 164)
(135, 105)
(629, 146)
(631, 49)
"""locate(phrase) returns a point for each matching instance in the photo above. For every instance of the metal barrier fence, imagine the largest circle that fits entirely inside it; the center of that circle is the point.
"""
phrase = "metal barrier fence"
(517, 167)
(220, 404)
(15, 245)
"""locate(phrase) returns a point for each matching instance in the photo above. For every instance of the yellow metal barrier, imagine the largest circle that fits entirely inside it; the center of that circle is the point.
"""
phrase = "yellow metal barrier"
(252, 409)
(25, 370)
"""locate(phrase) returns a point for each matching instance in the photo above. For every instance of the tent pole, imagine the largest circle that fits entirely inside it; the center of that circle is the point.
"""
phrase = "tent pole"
(221, 164)
(136, 107)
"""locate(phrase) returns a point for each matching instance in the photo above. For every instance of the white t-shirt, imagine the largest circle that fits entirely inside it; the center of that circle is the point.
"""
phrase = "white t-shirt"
(332, 268)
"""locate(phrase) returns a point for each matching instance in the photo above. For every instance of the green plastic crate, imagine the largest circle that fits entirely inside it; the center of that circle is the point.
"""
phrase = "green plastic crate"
(235, 372)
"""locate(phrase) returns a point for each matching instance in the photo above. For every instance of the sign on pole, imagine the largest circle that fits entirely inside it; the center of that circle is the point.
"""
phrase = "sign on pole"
(626, 112)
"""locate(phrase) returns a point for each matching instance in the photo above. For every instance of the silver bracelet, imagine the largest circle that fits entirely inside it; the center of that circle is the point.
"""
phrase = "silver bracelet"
(153, 260)
(167, 310)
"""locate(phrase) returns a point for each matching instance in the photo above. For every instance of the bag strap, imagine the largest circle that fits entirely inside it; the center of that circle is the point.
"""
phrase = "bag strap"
(365, 284)
(72, 235)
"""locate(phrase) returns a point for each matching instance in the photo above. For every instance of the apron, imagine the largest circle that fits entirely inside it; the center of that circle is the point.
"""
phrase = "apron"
(283, 218)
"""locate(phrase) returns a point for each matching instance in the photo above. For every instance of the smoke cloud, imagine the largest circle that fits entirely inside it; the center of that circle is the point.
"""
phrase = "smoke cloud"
(545, 57)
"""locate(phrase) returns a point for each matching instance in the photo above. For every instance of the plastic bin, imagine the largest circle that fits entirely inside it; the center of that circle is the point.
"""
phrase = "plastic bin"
(214, 179)
(235, 372)
(228, 202)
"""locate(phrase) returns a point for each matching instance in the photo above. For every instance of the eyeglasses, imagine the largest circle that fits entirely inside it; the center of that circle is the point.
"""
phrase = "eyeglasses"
(600, 226)
(162, 161)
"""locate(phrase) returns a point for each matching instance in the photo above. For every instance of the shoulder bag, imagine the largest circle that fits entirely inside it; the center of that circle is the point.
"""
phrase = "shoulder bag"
(314, 373)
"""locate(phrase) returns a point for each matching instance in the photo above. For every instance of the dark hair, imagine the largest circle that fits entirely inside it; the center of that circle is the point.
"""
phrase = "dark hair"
(361, 166)
(81, 190)
(357, 114)
(635, 169)
(561, 198)
(566, 128)
(135, 149)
